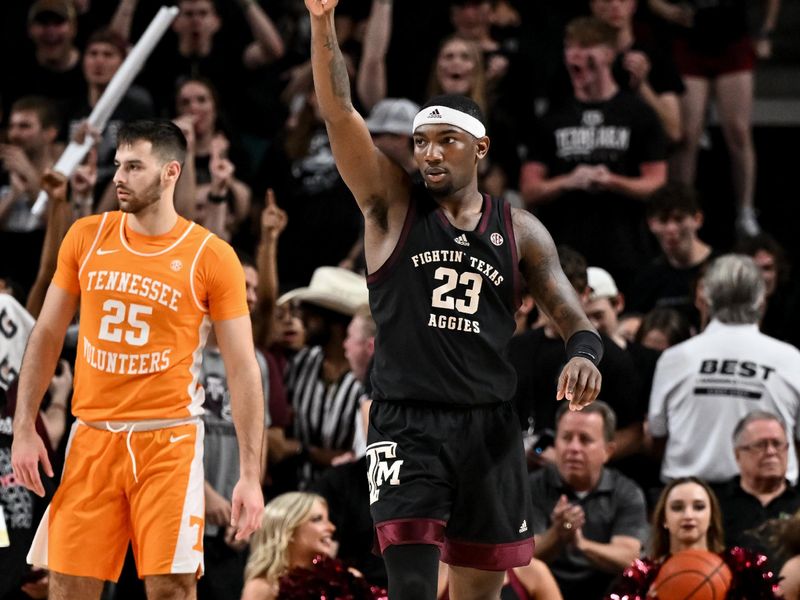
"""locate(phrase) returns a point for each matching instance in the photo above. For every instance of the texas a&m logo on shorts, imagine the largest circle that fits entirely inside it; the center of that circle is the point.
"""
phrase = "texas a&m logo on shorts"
(383, 466)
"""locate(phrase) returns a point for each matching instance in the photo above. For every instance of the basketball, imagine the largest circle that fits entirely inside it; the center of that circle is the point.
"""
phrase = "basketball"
(695, 574)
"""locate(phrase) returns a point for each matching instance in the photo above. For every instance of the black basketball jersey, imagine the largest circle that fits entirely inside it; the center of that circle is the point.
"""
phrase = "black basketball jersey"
(444, 304)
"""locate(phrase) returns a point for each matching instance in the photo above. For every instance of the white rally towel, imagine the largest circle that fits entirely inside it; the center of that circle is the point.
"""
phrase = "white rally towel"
(16, 324)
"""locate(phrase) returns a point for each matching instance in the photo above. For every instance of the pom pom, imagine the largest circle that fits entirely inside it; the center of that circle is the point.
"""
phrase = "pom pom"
(752, 577)
(635, 580)
(327, 579)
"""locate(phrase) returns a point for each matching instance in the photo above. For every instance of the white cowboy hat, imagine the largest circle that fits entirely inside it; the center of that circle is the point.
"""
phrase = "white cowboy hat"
(333, 288)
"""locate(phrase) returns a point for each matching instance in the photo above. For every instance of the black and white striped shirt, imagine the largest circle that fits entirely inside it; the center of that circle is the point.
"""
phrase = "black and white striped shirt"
(324, 413)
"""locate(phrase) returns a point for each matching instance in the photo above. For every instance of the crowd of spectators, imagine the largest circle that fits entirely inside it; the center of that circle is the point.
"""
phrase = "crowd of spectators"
(595, 110)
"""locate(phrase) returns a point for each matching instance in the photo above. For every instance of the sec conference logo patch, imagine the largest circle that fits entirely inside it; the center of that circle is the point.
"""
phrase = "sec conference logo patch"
(176, 265)
(497, 239)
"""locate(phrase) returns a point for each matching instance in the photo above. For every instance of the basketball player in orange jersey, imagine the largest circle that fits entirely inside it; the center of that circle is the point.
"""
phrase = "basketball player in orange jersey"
(149, 285)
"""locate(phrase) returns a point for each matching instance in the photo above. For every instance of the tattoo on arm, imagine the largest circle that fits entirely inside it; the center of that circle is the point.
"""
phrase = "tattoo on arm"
(548, 284)
(340, 81)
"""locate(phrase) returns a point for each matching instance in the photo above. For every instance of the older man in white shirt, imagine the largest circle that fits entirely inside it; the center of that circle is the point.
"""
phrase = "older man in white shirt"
(705, 385)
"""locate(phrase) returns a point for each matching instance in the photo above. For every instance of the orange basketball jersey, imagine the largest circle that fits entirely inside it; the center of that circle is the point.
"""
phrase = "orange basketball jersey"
(146, 306)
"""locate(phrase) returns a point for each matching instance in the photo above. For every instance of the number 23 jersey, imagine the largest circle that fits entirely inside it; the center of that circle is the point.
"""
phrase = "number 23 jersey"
(444, 304)
(146, 306)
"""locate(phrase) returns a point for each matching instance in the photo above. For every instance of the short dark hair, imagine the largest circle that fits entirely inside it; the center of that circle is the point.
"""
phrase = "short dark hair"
(599, 407)
(245, 258)
(106, 35)
(670, 198)
(166, 138)
(464, 104)
(574, 266)
(673, 324)
(766, 243)
(44, 108)
(590, 31)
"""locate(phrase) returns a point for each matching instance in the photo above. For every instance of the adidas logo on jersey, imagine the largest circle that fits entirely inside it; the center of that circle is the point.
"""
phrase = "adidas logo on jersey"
(462, 240)
(524, 527)
(434, 114)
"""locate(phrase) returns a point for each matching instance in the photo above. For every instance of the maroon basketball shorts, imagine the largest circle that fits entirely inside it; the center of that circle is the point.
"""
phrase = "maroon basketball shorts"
(735, 57)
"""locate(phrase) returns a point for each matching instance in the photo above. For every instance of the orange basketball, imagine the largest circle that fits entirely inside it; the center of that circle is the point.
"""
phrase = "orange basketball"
(695, 574)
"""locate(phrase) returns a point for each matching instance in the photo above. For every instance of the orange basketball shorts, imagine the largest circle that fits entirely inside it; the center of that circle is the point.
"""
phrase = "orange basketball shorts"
(143, 486)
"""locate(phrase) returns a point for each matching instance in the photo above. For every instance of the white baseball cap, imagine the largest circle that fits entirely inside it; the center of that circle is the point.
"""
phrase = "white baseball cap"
(601, 284)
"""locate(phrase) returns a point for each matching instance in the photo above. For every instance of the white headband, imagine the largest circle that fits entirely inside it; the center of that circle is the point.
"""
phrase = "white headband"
(450, 116)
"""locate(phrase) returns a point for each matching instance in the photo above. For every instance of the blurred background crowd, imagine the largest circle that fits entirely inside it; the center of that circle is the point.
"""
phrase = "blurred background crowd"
(654, 139)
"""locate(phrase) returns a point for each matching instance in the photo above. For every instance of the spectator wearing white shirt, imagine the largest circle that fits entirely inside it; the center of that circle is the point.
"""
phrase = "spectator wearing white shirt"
(705, 385)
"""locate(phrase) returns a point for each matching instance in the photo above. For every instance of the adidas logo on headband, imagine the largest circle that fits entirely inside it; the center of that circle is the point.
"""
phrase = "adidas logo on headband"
(449, 116)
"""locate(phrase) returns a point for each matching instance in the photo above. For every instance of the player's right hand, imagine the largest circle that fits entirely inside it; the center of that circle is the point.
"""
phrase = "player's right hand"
(319, 8)
(27, 450)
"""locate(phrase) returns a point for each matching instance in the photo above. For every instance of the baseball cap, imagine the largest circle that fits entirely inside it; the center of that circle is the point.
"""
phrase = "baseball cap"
(601, 284)
(392, 115)
(63, 9)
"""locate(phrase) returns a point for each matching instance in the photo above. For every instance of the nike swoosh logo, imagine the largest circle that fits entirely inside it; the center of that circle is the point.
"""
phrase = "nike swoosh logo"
(173, 438)
(101, 252)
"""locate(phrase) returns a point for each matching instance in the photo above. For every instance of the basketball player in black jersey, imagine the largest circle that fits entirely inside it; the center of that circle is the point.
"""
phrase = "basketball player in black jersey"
(446, 466)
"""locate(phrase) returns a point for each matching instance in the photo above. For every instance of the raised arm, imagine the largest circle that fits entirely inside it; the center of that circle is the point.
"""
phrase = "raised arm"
(380, 186)
(273, 222)
(580, 380)
(122, 21)
(362, 166)
(268, 45)
(371, 79)
(59, 218)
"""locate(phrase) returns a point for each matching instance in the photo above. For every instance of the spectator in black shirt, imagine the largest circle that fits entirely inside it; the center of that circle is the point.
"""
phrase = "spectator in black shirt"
(594, 160)
(674, 217)
(53, 69)
(760, 492)
(538, 356)
(782, 313)
(640, 67)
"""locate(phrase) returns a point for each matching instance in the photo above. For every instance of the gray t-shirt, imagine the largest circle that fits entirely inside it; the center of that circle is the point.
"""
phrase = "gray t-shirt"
(615, 507)
(221, 450)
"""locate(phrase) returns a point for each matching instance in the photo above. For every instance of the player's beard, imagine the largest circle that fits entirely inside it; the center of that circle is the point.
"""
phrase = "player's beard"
(137, 202)
(442, 192)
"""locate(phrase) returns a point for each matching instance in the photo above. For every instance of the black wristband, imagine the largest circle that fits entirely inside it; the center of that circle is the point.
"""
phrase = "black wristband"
(586, 344)
(214, 199)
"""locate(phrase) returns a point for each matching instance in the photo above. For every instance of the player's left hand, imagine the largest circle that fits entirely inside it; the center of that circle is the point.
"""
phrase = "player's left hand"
(247, 507)
(579, 383)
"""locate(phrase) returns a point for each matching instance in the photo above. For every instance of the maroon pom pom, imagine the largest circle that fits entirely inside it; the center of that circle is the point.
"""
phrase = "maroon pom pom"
(327, 579)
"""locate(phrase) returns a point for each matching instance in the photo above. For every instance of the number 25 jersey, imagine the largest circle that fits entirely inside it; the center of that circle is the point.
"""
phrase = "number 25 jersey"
(146, 306)
(444, 304)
